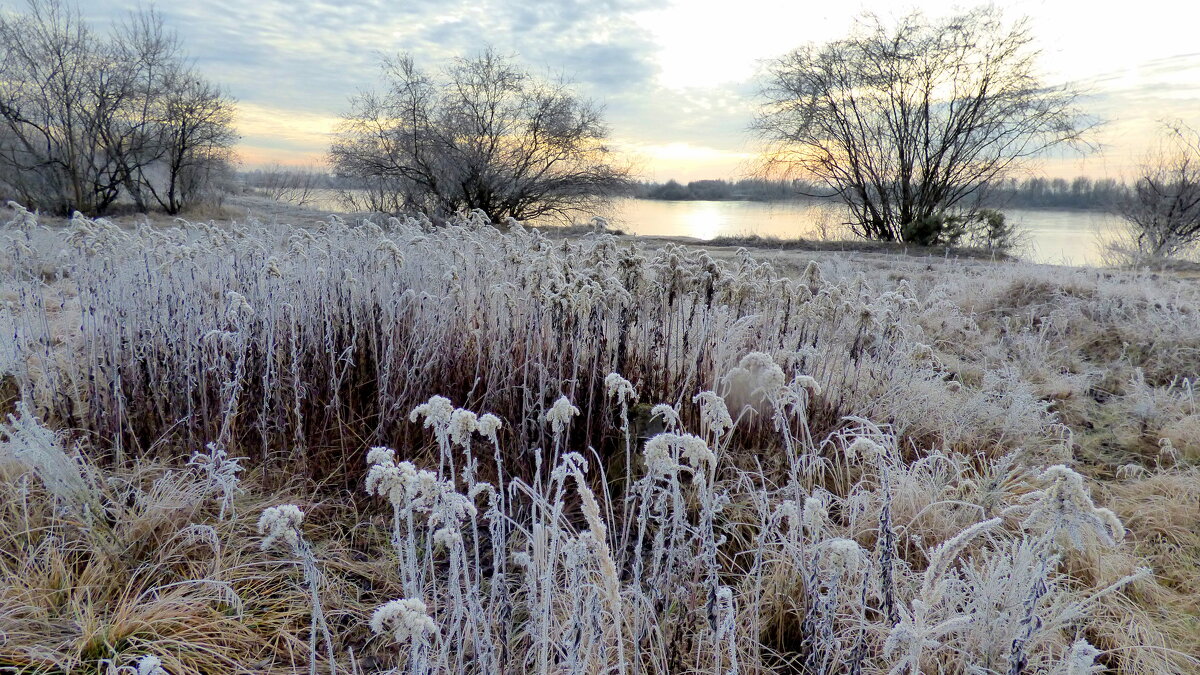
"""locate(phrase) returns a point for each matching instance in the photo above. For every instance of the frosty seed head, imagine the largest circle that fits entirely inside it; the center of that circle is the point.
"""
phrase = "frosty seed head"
(659, 459)
(396, 482)
(1167, 454)
(238, 307)
(863, 448)
(380, 455)
(812, 273)
(664, 452)
(788, 512)
(436, 411)
(388, 247)
(463, 423)
(845, 556)
(767, 375)
(814, 516)
(280, 523)
(809, 383)
(1065, 512)
(1081, 659)
(404, 619)
(620, 388)
(1112, 524)
(722, 614)
(713, 412)
(488, 425)
(697, 453)
(559, 415)
(449, 507)
(447, 536)
(150, 665)
(669, 415)
(921, 354)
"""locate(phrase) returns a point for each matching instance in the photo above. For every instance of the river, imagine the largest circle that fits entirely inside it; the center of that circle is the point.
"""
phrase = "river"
(1055, 236)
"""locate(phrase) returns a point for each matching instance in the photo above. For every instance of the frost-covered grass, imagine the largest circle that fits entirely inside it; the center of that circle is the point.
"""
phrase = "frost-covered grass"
(370, 446)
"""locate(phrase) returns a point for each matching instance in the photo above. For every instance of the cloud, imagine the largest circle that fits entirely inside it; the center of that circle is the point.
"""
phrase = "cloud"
(669, 73)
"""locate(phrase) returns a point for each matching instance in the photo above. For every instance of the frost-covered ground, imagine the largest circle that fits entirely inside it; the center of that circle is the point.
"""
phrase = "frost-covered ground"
(256, 446)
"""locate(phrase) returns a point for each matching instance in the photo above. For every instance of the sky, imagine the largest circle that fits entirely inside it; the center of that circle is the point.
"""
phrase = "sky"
(678, 80)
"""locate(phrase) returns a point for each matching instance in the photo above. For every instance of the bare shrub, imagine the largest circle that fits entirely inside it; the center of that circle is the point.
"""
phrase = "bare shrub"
(484, 134)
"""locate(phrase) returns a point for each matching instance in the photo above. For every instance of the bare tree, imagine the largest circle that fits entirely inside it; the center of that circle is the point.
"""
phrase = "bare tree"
(484, 135)
(911, 123)
(298, 186)
(48, 107)
(196, 137)
(150, 58)
(1163, 208)
(88, 118)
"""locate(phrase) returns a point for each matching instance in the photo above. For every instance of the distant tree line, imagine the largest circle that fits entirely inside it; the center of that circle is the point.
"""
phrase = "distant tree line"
(89, 120)
(746, 189)
(1035, 192)
(1077, 193)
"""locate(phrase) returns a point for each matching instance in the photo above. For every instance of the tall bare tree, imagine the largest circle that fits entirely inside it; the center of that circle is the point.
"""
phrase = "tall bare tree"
(150, 57)
(910, 123)
(48, 108)
(485, 134)
(195, 136)
(1163, 208)
(89, 118)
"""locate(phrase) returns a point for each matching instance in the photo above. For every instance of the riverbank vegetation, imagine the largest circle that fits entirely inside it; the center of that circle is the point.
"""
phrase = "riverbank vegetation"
(389, 447)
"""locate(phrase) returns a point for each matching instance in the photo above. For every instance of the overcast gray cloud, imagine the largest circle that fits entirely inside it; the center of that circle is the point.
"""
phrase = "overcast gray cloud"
(311, 57)
(317, 53)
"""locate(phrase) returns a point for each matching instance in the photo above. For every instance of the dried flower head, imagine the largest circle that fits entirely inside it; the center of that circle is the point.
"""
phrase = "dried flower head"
(405, 619)
(463, 423)
(436, 411)
(1167, 454)
(668, 453)
(395, 481)
(814, 516)
(559, 415)
(280, 523)
(845, 556)
(713, 412)
(669, 415)
(1081, 659)
(488, 425)
(150, 665)
(620, 388)
(766, 374)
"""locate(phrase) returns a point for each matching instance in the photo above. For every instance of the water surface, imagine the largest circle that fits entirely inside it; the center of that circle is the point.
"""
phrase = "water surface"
(1058, 236)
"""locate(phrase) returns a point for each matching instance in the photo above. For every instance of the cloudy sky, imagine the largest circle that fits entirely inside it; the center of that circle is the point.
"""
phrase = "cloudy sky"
(677, 79)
